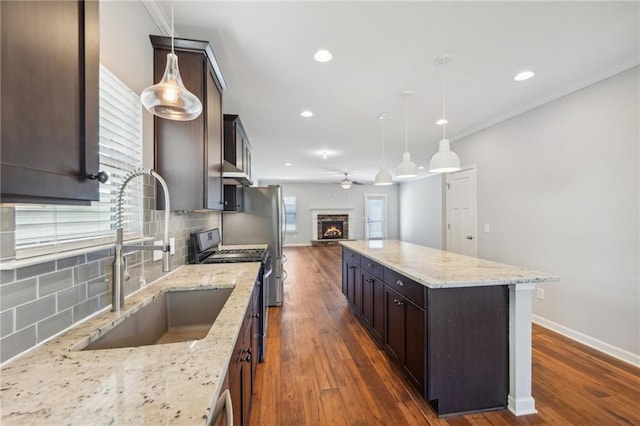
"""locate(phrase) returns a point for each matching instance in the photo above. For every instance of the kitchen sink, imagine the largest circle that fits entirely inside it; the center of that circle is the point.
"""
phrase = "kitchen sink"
(173, 316)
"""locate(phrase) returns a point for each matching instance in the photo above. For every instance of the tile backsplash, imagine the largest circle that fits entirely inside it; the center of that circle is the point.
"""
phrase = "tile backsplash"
(40, 300)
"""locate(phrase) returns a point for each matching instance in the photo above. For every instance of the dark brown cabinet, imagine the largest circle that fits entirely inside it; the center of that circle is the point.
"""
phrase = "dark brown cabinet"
(351, 274)
(237, 151)
(188, 154)
(49, 85)
(450, 342)
(242, 368)
(404, 336)
(373, 304)
(233, 196)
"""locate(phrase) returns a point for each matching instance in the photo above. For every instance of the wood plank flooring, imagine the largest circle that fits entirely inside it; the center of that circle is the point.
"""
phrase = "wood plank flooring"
(322, 367)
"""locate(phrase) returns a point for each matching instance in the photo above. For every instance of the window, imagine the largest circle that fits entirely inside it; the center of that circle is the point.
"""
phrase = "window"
(291, 214)
(44, 229)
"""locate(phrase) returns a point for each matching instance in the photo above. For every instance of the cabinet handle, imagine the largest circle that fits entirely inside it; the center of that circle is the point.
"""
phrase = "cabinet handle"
(369, 280)
(370, 265)
(247, 358)
(247, 351)
(352, 255)
(400, 283)
(101, 176)
(399, 302)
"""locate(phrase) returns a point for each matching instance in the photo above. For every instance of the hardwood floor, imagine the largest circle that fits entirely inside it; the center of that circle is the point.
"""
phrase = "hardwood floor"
(323, 368)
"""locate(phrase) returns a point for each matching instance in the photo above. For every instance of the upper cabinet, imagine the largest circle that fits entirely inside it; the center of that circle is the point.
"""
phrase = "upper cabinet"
(237, 151)
(49, 121)
(188, 154)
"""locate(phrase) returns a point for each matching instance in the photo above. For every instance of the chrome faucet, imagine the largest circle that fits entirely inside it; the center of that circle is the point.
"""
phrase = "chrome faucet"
(117, 288)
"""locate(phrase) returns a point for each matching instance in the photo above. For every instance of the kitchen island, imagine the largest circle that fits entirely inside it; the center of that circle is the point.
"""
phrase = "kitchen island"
(176, 383)
(458, 326)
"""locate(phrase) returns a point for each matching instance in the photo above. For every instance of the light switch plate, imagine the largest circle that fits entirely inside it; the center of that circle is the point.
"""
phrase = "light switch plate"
(157, 254)
(486, 227)
(172, 242)
(540, 293)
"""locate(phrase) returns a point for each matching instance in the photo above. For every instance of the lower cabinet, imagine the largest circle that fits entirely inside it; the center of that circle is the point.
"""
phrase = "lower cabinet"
(373, 304)
(404, 335)
(242, 367)
(452, 343)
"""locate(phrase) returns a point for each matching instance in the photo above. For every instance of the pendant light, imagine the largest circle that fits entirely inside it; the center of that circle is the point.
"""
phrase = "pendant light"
(445, 160)
(406, 168)
(170, 99)
(383, 177)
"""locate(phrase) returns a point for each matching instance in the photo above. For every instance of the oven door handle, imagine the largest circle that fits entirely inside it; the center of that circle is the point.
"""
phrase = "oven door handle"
(268, 271)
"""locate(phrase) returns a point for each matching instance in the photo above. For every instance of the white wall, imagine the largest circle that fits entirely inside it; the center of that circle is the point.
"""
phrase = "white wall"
(318, 195)
(559, 186)
(125, 49)
(421, 211)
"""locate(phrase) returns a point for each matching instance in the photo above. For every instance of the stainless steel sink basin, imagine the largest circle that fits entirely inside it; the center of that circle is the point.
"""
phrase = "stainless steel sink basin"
(174, 316)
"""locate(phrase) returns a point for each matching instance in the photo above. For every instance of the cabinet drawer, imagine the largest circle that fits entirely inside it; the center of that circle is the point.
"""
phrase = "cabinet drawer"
(350, 256)
(372, 267)
(409, 288)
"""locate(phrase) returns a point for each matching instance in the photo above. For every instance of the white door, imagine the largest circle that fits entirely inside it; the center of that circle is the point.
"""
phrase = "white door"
(375, 216)
(461, 212)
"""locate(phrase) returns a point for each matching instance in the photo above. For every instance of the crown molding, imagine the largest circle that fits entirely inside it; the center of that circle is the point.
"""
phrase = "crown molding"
(158, 17)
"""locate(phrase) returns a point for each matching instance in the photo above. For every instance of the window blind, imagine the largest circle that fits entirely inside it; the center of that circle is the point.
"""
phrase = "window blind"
(44, 229)
(291, 214)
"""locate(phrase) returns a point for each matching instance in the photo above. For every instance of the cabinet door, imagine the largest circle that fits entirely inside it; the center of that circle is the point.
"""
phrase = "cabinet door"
(49, 102)
(179, 150)
(377, 319)
(357, 289)
(414, 349)
(214, 143)
(367, 298)
(394, 325)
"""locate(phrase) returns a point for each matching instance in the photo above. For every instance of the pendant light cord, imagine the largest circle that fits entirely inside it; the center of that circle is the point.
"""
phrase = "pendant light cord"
(444, 102)
(382, 119)
(172, 30)
(406, 121)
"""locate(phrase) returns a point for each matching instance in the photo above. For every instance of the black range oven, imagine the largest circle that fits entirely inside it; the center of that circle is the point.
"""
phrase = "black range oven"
(204, 248)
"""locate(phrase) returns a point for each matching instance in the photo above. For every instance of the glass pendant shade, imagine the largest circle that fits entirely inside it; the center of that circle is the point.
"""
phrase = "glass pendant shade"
(383, 177)
(170, 99)
(346, 184)
(407, 168)
(445, 160)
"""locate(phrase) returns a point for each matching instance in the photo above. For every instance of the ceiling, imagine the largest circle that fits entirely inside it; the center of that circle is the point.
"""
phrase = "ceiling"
(380, 49)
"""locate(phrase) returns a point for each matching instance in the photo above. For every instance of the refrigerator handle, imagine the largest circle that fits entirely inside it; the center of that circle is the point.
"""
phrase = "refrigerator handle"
(284, 258)
(284, 275)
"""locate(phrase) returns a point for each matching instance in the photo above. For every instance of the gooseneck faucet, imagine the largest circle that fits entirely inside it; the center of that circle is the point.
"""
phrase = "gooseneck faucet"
(117, 289)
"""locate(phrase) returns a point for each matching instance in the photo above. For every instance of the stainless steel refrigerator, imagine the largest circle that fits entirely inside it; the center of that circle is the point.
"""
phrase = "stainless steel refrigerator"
(261, 221)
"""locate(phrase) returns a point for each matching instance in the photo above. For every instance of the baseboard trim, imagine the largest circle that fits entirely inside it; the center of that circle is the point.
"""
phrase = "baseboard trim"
(596, 344)
(297, 244)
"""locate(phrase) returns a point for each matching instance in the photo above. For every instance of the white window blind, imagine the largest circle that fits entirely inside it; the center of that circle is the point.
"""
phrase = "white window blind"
(291, 214)
(44, 229)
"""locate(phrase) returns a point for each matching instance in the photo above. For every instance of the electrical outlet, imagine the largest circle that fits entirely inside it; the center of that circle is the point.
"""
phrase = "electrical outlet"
(172, 242)
(540, 293)
(157, 254)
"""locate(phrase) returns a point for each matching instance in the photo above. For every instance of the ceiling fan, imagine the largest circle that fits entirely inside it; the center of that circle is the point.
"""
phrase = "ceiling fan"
(346, 182)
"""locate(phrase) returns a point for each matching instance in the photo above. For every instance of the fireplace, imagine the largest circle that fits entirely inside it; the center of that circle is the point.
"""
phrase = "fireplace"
(333, 226)
(331, 230)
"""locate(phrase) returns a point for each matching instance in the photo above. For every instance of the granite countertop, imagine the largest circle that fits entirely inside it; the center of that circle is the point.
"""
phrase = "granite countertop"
(176, 383)
(442, 269)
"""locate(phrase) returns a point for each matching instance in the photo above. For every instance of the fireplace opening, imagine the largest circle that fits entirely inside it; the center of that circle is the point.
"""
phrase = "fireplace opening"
(332, 230)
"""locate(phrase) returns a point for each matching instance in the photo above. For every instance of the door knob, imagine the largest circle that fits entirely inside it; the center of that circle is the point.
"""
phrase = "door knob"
(469, 237)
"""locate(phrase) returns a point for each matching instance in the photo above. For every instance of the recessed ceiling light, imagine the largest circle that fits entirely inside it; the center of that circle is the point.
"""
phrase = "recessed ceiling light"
(420, 167)
(287, 164)
(442, 122)
(323, 56)
(524, 75)
(306, 113)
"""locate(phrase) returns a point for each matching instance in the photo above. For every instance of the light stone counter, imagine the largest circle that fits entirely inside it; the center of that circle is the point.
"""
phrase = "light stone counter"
(439, 270)
(442, 269)
(176, 383)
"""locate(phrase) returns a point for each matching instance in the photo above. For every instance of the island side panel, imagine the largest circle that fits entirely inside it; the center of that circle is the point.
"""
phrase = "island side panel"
(468, 349)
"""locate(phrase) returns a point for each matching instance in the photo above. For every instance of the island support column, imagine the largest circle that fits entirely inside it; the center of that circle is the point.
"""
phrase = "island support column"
(520, 401)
